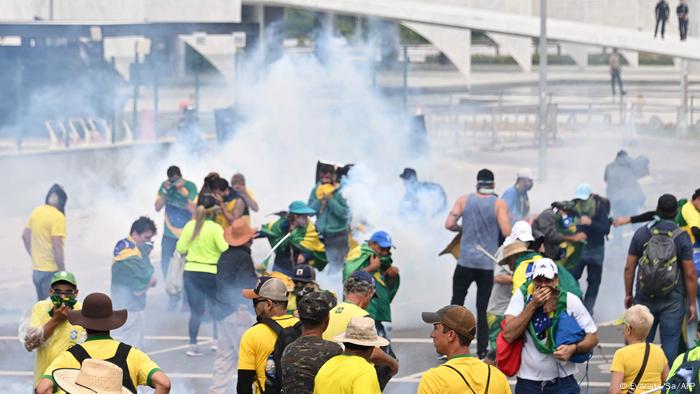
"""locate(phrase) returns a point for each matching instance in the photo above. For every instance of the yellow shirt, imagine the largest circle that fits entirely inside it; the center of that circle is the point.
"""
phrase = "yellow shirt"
(46, 221)
(339, 317)
(444, 380)
(141, 367)
(691, 217)
(220, 218)
(347, 374)
(628, 360)
(257, 343)
(63, 337)
(203, 253)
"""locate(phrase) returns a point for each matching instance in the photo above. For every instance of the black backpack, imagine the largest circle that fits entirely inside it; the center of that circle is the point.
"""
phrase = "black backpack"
(658, 270)
(119, 359)
(273, 366)
(685, 379)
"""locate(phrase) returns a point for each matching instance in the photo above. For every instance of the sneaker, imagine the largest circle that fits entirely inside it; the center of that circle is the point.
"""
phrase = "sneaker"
(193, 351)
(214, 348)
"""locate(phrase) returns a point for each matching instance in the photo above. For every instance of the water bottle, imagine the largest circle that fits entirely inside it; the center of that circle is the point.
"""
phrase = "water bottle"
(270, 368)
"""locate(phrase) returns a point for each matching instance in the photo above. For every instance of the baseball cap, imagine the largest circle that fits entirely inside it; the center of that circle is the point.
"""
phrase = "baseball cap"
(359, 282)
(583, 191)
(271, 288)
(521, 231)
(456, 317)
(408, 173)
(484, 176)
(304, 273)
(64, 276)
(544, 267)
(315, 306)
(381, 238)
(525, 173)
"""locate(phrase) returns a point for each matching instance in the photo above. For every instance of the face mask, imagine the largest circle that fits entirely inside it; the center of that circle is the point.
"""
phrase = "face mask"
(146, 248)
(57, 300)
(385, 261)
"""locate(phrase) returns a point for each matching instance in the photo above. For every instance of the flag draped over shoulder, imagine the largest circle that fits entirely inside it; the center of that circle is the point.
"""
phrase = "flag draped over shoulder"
(131, 267)
(385, 291)
(302, 240)
(570, 252)
(566, 281)
(543, 326)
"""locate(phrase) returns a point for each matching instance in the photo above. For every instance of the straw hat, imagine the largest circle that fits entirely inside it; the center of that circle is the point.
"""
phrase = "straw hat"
(514, 248)
(94, 377)
(361, 331)
(239, 232)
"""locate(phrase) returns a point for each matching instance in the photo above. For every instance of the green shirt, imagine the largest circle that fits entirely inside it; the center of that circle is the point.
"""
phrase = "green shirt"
(177, 212)
(334, 218)
(204, 251)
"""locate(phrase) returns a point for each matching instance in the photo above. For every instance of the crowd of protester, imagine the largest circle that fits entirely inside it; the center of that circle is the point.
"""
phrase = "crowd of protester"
(276, 330)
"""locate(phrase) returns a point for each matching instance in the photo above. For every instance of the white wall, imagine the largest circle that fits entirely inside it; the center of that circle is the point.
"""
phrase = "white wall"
(124, 10)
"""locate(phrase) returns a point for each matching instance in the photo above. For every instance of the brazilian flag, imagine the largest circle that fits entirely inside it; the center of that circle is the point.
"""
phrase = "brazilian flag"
(569, 252)
(567, 282)
(380, 306)
(302, 240)
(131, 266)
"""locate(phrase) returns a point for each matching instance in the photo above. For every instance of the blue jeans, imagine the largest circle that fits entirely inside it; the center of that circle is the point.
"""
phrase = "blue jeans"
(567, 385)
(669, 314)
(592, 259)
(200, 290)
(383, 372)
(615, 77)
(166, 253)
(42, 282)
(337, 248)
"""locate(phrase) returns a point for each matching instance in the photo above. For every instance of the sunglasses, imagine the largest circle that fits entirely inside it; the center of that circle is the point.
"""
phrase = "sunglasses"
(256, 301)
(66, 293)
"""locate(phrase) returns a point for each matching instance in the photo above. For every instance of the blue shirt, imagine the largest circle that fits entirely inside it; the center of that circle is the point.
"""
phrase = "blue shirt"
(518, 203)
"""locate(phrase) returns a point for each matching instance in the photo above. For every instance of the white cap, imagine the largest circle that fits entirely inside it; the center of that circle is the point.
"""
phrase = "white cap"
(525, 173)
(545, 267)
(521, 231)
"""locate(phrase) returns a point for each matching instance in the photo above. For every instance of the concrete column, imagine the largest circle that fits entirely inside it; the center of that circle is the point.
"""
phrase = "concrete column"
(519, 48)
(577, 52)
(327, 22)
(179, 57)
(456, 44)
(693, 31)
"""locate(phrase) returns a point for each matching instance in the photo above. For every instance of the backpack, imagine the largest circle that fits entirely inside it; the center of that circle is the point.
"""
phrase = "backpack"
(604, 206)
(685, 379)
(658, 270)
(119, 359)
(273, 365)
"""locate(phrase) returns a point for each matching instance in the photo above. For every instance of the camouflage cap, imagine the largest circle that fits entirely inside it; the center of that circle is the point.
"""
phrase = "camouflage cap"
(359, 282)
(315, 306)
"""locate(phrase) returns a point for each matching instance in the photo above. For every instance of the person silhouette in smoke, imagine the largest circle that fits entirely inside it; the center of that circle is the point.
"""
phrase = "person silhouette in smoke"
(43, 239)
